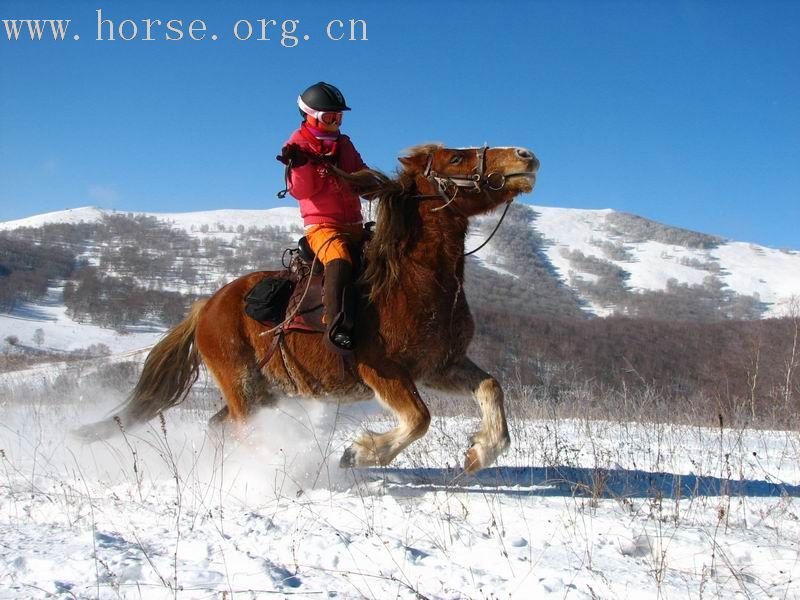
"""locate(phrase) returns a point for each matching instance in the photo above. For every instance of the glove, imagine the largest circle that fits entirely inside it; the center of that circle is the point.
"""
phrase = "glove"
(294, 154)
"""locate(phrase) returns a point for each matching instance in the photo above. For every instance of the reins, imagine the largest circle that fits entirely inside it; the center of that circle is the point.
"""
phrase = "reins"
(476, 182)
(496, 227)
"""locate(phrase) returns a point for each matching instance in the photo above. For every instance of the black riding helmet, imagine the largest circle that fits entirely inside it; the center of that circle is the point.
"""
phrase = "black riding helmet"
(323, 97)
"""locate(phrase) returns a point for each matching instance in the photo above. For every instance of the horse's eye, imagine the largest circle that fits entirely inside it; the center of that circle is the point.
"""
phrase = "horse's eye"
(456, 160)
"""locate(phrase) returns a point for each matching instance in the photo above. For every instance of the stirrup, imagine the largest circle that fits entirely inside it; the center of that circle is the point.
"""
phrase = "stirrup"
(342, 340)
(339, 341)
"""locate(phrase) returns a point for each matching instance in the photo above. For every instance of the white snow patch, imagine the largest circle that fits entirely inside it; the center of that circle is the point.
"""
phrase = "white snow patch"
(751, 269)
(656, 263)
(84, 214)
(62, 333)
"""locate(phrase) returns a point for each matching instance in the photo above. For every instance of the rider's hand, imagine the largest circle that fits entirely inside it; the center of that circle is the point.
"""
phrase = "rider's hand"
(294, 154)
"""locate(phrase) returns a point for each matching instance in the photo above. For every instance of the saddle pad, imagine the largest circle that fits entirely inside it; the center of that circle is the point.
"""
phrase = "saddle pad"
(306, 300)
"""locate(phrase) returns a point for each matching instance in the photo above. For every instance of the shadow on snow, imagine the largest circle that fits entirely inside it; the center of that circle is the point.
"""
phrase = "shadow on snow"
(572, 481)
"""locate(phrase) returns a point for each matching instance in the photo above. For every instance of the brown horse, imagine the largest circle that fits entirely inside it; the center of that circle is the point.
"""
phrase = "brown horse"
(414, 323)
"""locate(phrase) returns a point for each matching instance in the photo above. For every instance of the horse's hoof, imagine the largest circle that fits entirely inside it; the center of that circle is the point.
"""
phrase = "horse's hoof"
(348, 460)
(472, 461)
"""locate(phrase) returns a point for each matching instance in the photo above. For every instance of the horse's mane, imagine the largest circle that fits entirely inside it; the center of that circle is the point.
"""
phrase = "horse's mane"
(397, 220)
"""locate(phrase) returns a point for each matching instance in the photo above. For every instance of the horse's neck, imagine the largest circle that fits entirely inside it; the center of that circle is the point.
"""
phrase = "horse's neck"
(441, 244)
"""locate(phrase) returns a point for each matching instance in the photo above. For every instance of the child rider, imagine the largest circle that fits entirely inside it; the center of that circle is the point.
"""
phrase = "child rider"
(330, 208)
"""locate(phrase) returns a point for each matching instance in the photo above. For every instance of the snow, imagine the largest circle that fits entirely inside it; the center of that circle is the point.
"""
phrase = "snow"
(571, 229)
(287, 217)
(84, 214)
(488, 256)
(62, 333)
(772, 274)
(578, 509)
(656, 263)
(746, 269)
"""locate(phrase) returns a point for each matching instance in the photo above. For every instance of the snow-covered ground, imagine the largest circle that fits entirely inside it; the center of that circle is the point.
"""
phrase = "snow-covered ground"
(61, 333)
(576, 509)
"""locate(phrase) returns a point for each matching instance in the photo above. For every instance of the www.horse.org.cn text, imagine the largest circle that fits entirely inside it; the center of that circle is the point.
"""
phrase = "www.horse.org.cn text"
(286, 32)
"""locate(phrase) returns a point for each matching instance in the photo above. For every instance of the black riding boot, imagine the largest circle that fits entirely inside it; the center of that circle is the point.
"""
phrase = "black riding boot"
(336, 296)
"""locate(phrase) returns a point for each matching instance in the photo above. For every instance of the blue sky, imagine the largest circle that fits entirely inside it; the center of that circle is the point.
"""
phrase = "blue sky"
(683, 112)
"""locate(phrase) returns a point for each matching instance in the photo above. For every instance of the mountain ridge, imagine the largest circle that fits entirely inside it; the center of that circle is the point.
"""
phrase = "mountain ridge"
(600, 255)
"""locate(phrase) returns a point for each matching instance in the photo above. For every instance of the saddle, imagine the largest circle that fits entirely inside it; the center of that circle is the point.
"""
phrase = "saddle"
(296, 292)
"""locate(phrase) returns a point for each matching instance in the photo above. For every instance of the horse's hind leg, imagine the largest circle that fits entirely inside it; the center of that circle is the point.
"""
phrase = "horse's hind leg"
(243, 387)
(492, 439)
(396, 390)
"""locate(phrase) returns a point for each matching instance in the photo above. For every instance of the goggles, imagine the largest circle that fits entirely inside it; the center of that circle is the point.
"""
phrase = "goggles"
(327, 117)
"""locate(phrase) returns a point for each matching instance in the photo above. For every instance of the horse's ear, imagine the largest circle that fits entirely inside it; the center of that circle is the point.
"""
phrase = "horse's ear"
(414, 163)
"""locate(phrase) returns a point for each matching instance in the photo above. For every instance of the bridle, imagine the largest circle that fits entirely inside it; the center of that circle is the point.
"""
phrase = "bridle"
(477, 182)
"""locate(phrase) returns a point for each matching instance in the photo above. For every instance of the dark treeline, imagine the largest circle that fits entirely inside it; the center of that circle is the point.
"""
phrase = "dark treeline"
(117, 302)
(633, 228)
(26, 269)
(734, 366)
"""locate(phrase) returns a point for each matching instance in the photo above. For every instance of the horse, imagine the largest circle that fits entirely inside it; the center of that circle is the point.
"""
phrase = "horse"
(414, 325)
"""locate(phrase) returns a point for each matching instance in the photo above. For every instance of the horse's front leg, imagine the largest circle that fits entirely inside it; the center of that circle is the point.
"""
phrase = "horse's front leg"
(395, 389)
(492, 439)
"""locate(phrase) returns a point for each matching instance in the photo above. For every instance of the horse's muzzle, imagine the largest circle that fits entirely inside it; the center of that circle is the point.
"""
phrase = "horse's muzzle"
(530, 157)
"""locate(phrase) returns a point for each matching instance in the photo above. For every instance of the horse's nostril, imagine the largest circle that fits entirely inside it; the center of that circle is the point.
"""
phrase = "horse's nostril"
(526, 154)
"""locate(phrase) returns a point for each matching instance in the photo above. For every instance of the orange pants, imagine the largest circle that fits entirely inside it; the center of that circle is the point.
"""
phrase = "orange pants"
(329, 240)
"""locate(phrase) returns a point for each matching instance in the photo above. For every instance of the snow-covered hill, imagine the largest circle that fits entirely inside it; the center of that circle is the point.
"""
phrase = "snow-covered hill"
(747, 269)
(773, 274)
(194, 222)
(576, 247)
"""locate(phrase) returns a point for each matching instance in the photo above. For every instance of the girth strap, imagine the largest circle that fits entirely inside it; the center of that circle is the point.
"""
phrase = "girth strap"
(276, 338)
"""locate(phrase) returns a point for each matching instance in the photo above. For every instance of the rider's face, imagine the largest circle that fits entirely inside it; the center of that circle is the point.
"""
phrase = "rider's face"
(331, 127)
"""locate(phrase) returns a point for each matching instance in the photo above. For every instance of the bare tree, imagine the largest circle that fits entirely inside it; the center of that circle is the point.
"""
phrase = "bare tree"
(792, 360)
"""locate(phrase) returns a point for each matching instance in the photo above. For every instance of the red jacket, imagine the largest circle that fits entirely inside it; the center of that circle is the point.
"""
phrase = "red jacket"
(324, 197)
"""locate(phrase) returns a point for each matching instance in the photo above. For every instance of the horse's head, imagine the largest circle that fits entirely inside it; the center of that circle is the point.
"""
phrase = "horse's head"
(471, 180)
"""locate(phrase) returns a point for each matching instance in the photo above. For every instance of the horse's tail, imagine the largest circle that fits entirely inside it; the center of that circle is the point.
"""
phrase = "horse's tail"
(169, 372)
